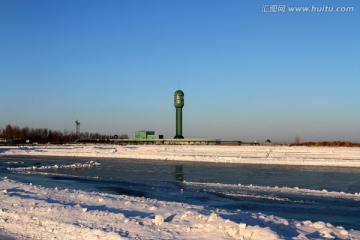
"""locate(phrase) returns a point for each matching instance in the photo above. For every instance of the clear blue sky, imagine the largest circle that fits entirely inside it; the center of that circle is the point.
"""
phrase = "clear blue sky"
(247, 75)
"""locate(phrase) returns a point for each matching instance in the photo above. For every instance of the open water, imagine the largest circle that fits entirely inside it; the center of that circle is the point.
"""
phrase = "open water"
(213, 185)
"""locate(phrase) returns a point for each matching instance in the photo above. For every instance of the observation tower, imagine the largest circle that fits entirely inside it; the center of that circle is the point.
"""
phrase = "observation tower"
(179, 104)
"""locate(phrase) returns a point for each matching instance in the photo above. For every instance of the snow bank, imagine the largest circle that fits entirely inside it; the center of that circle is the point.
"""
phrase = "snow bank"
(88, 164)
(282, 155)
(267, 189)
(29, 211)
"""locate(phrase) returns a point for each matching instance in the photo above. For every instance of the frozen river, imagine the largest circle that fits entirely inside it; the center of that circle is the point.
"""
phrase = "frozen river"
(293, 192)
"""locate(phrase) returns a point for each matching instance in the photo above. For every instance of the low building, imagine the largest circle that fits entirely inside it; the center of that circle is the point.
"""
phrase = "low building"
(155, 137)
(143, 134)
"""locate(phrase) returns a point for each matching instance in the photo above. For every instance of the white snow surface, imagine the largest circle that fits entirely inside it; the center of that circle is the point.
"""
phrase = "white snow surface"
(35, 212)
(282, 155)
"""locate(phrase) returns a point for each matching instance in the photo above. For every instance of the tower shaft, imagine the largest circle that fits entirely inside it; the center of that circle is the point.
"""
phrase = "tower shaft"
(77, 128)
(179, 123)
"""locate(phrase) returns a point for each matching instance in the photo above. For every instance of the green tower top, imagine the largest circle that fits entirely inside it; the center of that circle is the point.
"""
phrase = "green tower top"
(179, 99)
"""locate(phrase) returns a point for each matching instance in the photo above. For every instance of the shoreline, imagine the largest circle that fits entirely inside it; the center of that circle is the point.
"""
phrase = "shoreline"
(253, 155)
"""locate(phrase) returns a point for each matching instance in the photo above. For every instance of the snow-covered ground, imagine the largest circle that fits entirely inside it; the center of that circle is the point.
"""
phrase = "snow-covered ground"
(35, 212)
(283, 155)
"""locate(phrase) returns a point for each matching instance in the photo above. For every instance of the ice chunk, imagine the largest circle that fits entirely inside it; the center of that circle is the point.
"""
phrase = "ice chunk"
(159, 220)
(212, 217)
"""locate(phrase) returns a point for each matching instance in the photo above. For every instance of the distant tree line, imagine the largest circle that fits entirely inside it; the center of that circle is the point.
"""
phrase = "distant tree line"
(327, 144)
(44, 135)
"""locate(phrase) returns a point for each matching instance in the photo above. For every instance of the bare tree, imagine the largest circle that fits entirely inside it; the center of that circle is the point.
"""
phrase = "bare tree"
(44, 135)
